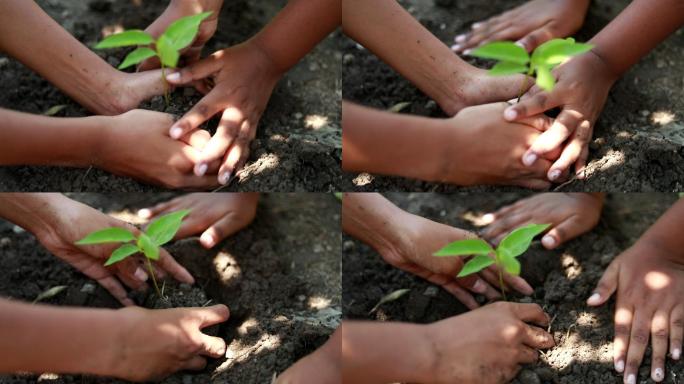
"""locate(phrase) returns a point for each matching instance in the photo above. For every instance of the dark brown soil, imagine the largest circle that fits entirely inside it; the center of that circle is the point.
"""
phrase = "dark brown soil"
(562, 278)
(634, 149)
(286, 155)
(280, 277)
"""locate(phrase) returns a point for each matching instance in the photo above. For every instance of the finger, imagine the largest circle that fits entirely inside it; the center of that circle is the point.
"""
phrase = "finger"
(571, 153)
(223, 228)
(225, 135)
(505, 224)
(236, 155)
(638, 341)
(540, 122)
(659, 338)
(531, 313)
(198, 139)
(623, 328)
(676, 331)
(518, 283)
(213, 346)
(170, 265)
(536, 184)
(201, 112)
(481, 36)
(148, 213)
(197, 363)
(537, 338)
(606, 286)
(482, 287)
(461, 295)
(531, 105)
(581, 164)
(151, 63)
(211, 315)
(565, 124)
(114, 287)
(566, 230)
(197, 183)
(537, 37)
(527, 355)
(197, 71)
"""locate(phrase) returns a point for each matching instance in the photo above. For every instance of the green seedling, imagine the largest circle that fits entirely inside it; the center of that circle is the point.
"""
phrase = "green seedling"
(505, 255)
(179, 35)
(159, 232)
(514, 59)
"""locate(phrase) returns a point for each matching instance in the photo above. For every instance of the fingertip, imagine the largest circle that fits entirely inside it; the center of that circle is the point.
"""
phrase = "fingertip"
(145, 213)
(176, 132)
(207, 240)
(549, 242)
(619, 365)
(529, 158)
(595, 299)
(174, 77)
(224, 177)
(554, 174)
(201, 169)
(510, 114)
(488, 219)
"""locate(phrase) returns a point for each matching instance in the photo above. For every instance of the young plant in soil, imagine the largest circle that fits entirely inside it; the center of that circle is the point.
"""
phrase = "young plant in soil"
(505, 255)
(159, 232)
(179, 35)
(514, 59)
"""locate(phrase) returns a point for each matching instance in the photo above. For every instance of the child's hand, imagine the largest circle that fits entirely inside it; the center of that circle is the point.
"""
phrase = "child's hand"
(583, 85)
(216, 216)
(153, 344)
(176, 10)
(67, 221)
(244, 78)
(531, 24)
(649, 281)
(136, 144)
(421, 238)
(487, 345)
(570, 215)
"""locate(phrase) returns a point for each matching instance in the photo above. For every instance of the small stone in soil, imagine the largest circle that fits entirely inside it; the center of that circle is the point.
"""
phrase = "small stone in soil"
(528, 377)
(5, 242)
(431, 291)
(88, 288)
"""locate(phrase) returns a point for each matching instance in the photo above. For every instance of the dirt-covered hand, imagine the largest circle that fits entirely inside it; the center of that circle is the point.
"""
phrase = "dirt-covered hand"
(581, 92)
(485, 149)
(182, 8)
(530, 24)
(136, 144)
(422, 238)
(244, 77)
(214, 215)
(67, 221)
(487, 345)
(570, 215)
(154, 344)
(648, 280)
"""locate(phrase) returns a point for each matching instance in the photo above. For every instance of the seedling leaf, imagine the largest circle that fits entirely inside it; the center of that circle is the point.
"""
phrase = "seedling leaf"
(517, 242)
(182, 32)
(50, 293)
(556, 51)
(121, 253)
(167, 53)
(476, 264)
(148, 247)
(545, 79)
(138, 55)
(389, 298)
(163, 229)
(126, 39)
(510, 264)
(465, 248)
(504, 51)
(109, 235)
(504, 68)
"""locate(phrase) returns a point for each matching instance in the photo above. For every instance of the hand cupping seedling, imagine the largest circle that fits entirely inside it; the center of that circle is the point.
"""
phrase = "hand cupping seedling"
(505, 255)
(159, 232)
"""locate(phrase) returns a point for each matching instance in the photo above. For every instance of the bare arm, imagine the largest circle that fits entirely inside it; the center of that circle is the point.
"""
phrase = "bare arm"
(667, 231)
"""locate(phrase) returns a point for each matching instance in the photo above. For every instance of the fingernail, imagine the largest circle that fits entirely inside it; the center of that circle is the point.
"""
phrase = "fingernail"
(467, 51)
(201, 169)
(555, 174)
(224, 178)
(173, 77)
(529, 158)
(519, 43)
(477, 25)
(676, 353)
(620, 366)
(455, 47)
(479, 286)
(631, 379)
(460, 38)
(175, 132)
(488, 218)
(140, 274)
(145, 213)
(207, 239)
(548, 241)
(510, 114)
(595, 299)
(658, 374)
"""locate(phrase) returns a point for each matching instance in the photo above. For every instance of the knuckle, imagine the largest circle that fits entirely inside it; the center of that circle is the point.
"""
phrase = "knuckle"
(633, 364)
(660, 334)
(658, 361)
(621, 330)
(678, 322)
(640, 337)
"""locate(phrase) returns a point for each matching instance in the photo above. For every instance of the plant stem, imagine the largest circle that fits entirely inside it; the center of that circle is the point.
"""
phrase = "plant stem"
(154, 280)
(166, 85)
(501, 284)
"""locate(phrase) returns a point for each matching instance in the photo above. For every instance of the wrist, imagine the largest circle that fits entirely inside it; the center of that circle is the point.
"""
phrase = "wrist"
(609, 72)
(269, 61)
(426, 359)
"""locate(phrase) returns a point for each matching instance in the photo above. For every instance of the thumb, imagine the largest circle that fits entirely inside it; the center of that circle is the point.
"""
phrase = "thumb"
(563, 232)
(606, 286)
(196, 71)
(211, 315)
(536, 38)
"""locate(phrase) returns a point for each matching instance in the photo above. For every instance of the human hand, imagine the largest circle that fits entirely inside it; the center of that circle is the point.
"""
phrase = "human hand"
(421, 238)
(489, 343)
(570, 215)
(649, 281)
(244, 78)
(66, 221)
(323, 364)
(153, 344)
(215, 215)
(182, 8)
(581, 92)
(136, 144)
(485, 149)
(531, 24)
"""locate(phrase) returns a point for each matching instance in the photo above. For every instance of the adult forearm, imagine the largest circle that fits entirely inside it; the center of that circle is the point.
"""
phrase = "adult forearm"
(297, 29)
(642, 26)
(667, 231)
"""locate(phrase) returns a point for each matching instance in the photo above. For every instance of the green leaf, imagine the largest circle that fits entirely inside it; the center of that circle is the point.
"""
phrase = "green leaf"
(389, 298)
(517, 242)
(137, 56)
(475, 265)
(511, 264)
(125, 39)
(148, 247)
(504, 51)
(465, 248)
(109, 235)
(556, 51)
(121, 253)
(54, 110)
(545, 79)
(504, 68)
(163, 229)
(182, 32)
(167, 53)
